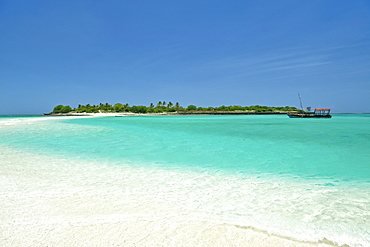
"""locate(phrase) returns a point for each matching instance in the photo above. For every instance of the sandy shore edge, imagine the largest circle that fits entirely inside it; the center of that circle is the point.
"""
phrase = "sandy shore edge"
(56, 202)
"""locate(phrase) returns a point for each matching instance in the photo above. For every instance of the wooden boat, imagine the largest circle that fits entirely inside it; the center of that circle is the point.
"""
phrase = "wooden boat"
(318, 113)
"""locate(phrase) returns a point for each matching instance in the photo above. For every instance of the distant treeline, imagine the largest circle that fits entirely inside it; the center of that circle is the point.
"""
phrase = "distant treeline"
(162, 107)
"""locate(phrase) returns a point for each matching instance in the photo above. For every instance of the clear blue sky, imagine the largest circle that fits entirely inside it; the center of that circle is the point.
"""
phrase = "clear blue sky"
(207, 53)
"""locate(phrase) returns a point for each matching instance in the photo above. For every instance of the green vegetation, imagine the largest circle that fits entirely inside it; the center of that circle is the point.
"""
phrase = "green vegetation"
(62, 109)
(162, 107)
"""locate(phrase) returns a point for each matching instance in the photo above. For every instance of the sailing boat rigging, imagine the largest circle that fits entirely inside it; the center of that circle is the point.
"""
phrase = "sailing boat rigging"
(317, 113)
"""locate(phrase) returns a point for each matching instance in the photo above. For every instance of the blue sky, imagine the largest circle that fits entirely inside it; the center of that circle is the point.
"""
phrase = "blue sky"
(207, 53)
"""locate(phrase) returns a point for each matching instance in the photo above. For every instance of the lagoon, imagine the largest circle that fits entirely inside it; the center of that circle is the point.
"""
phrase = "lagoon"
(158, 179)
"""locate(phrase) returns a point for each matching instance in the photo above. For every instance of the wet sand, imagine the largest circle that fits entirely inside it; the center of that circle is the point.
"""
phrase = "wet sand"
(57, 202)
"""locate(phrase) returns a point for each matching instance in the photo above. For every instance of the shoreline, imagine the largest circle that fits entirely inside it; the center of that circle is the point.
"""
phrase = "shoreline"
(116, 200)
(62, 212)
(121, 114)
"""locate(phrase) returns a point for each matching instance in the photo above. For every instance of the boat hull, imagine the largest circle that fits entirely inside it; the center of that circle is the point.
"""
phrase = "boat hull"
(302, 115)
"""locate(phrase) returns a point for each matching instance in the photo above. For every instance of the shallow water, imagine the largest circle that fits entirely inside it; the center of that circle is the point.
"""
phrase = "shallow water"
(302, 179)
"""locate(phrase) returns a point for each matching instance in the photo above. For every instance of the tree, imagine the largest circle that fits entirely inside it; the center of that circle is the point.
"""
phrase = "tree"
(191, 108)
(222, 108)
(118, 107)
(82, 109)
(66, 109)
(163, 107)
(58, 109)
(139, 109)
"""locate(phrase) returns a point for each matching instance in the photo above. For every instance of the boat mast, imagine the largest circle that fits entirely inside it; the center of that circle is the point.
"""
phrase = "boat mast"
(300, 101)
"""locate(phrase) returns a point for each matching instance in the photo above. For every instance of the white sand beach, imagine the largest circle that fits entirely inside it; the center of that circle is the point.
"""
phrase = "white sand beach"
(48, 201)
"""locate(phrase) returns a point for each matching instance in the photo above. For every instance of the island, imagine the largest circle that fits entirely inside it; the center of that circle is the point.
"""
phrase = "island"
(163, 108)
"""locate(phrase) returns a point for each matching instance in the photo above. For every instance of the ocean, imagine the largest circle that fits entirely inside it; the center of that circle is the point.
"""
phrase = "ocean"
(264, 180)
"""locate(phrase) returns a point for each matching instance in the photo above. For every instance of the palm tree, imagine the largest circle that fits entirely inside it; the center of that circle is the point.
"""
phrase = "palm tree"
(159, 103)
(169, 104)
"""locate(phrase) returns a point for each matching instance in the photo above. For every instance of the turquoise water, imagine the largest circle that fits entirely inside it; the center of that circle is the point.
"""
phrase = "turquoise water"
(327, 161)
(335, 149)
(18, 116)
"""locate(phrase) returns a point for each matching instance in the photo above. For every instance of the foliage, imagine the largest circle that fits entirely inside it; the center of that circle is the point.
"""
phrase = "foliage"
(191, 108)
(162, 107)
(62, 109)
(58, 108)
(139, 109)
(66, 109)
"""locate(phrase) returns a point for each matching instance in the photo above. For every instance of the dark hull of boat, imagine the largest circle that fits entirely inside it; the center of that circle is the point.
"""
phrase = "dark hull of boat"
(302, 115)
